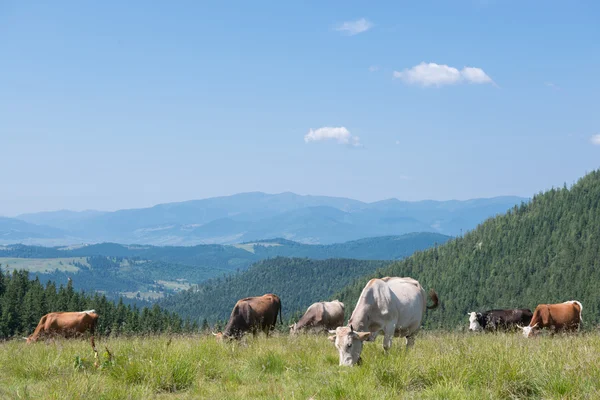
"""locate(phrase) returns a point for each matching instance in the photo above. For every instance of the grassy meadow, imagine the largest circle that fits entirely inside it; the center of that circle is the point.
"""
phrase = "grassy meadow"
(441, 365)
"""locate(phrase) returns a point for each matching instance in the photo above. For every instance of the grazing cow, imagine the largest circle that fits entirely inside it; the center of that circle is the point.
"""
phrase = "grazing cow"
(493, 320)
(324, 315)
(557, 317)
(66, 324)
(392, 305)
(252, 314)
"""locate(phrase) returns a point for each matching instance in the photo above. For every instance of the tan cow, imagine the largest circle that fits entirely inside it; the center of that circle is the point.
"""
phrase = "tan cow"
(65, 324)
(320, 316)
(557, 317)
(251, 315)
(392, 305)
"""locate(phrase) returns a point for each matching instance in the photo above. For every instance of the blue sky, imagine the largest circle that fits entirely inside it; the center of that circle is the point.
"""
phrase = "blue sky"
(113, 105)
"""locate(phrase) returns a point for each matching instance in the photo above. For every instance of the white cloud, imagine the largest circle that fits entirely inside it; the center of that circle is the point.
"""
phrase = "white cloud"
(552, 85)
(354, 27)
(397, 142)
(432, 74)
(373, 68)
(340, 134)
(595, 139)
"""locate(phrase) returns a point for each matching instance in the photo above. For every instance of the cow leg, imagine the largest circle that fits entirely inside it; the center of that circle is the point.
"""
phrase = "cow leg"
(388, 334)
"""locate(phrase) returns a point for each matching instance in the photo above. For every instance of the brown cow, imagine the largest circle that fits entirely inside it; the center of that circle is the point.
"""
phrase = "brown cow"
(252, 314)
(66, 324)
(557, 317)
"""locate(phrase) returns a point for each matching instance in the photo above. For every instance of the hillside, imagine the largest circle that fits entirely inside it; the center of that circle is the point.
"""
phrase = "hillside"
(120, 270)
(542, 252)
(23, 302)
(298, 282)
(257, 216)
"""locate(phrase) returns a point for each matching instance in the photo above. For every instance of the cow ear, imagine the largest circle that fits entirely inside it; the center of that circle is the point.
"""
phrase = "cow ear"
(362, 336)
(331, 338)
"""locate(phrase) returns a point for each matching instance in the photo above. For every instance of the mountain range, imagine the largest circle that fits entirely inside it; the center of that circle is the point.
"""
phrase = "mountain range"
(253, 216)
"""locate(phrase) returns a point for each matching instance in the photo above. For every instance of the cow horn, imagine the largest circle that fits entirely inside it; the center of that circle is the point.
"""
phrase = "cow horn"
(213, 333)
(536, 324)
(332, 331)
(519, 326)
(24, 338)
(351, 328)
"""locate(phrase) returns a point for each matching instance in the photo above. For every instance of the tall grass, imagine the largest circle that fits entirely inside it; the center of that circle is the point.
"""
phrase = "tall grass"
(440, 365)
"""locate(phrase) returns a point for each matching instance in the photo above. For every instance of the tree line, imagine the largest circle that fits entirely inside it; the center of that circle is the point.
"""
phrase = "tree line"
(24, 301)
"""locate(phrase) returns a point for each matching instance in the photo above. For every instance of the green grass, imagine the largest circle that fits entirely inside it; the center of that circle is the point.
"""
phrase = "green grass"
(43, 265)
(441, 365)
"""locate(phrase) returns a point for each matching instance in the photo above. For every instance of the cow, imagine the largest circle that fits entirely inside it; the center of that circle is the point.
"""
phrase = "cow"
(557, 317)
(392, 305)
(252, 314)
(65, 324)
(321, 316)
(494, 320)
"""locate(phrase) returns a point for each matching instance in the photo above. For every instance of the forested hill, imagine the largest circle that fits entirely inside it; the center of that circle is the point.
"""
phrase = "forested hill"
(23, 302)
(545, 251)
(299, 282)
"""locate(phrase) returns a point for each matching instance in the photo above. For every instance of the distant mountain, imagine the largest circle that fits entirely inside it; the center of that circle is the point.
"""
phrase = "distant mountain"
(255, 216)
(62, 219)
(125, 270)
(14, 230)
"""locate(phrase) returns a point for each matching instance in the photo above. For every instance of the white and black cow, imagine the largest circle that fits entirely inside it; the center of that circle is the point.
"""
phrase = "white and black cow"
(392, 305)
(495, 320)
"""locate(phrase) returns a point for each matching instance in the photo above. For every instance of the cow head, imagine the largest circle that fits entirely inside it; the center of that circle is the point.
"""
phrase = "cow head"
(349, 344)
(474, 324)
(293, 329)
(528, 330)
(30, 339)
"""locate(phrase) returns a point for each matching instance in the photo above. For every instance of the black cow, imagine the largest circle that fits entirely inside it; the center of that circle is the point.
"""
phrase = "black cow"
(493, 320)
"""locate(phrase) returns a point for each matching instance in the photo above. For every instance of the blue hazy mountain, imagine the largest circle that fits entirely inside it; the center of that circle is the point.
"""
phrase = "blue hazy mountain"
(254, 216)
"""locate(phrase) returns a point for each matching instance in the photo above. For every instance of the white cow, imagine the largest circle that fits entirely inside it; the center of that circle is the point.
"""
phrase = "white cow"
(320, 316)
(392, 305)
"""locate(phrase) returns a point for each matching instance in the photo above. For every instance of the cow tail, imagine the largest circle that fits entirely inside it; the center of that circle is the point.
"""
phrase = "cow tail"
(280, 315)
(434, 298)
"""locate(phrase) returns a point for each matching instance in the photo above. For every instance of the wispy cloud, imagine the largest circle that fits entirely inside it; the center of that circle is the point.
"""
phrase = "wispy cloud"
(373, 68)
(552, 85)
(339, 134)
(595, 139)
(432, 74)
(354, 27)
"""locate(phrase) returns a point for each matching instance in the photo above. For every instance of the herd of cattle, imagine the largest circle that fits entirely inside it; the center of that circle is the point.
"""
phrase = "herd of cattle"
(393, 306)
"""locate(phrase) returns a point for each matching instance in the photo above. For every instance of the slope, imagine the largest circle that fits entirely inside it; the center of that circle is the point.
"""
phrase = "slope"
(542, 252)
(298, 282)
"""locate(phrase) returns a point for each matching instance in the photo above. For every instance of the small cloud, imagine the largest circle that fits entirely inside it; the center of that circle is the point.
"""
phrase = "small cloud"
(397, 142)
(595, 139)
(352, 28)
(552, 85)
(373, 68)
(432, 74)
(339, 134)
